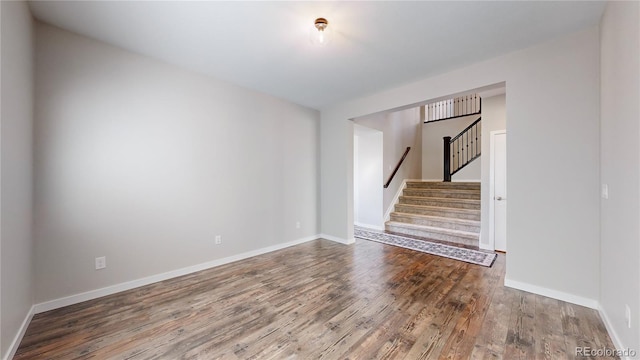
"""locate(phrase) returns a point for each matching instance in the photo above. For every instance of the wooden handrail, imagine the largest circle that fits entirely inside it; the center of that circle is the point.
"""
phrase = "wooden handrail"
(466, 129)
(397, 167)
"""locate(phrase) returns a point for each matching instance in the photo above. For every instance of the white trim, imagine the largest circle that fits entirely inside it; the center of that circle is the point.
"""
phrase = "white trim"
(18, 338)
(337, 239)
(554, 294)
(482, 245)
(94, 294)
(611, 330)
(492, 191)
(387, 214)
(369, 226)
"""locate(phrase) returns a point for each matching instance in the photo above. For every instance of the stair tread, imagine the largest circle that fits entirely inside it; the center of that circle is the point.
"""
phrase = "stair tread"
(445, 190)
(441, 208)
(439, 218)
(443, 182)
(433, 198)
(460, 233)
(452, 183)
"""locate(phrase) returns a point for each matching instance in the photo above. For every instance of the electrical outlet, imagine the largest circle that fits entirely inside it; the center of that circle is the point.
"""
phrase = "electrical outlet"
(101, 262)
(627, 315)
(218, 239)
(605, 191)
(297, 224)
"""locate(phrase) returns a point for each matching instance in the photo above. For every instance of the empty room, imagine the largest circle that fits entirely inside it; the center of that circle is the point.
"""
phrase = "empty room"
(322, 179)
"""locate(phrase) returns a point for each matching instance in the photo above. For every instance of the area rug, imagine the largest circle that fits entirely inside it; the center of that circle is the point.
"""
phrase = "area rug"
(451, 252)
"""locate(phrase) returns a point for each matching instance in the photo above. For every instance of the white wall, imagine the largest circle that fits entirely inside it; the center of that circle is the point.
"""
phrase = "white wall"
(553, 220)
(16, 190)
(367, 174)
(433, 149)
(493, 118)
(620, 169)
(145, 163)
(401, 129)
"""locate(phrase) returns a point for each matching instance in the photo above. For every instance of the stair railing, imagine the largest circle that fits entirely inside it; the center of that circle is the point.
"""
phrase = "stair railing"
(453, 108)
(386, 185)
(462, 149)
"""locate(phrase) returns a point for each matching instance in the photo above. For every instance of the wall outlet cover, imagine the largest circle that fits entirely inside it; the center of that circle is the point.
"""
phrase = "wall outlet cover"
(101, 262)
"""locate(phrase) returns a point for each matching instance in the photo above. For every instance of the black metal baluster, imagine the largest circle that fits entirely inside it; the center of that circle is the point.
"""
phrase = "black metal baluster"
(467, 158)
(477, 139)
(455, 107)
(472, 148)
(473, 104)
(458, 141)
(466, 105)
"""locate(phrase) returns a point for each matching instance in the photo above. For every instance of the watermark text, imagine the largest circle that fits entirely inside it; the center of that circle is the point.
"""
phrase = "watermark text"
(586, 351)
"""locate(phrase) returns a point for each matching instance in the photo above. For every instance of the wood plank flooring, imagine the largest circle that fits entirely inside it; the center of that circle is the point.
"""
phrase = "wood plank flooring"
(321, 300)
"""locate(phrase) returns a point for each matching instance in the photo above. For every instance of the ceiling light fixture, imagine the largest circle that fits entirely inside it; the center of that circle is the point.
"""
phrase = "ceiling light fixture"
(320, 33)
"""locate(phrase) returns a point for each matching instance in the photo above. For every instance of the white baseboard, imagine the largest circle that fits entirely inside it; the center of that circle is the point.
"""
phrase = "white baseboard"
(611, 330)
(369, 226)
(337, 239)
(18, 338)
(387, 214)
(554, 294)
(94, 294)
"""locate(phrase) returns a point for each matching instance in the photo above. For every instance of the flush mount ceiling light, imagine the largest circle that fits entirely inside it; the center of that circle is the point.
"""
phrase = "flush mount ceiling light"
(320, 33)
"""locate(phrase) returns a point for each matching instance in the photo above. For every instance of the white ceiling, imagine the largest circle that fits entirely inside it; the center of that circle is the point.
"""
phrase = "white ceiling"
(265, 45)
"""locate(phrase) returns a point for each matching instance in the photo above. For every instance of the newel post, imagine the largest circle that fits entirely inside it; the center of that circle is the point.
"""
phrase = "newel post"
(447, 158)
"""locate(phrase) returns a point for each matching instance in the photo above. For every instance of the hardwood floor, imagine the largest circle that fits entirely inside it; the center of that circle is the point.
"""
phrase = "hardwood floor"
(321, 300)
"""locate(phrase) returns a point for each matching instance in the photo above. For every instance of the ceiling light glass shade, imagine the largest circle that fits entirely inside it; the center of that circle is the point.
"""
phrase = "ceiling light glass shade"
(320, 34)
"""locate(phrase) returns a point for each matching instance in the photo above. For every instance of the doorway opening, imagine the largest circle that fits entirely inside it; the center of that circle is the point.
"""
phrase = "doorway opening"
(408, 127)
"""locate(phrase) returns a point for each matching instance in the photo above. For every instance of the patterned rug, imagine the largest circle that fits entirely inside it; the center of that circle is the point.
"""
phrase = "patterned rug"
(451, 252)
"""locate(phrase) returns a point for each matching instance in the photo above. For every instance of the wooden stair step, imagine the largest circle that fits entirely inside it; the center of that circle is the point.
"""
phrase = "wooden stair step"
(443, 185)
(443, 193)
(429, 232)
(467, 214)
(437, 222)
(473, 204)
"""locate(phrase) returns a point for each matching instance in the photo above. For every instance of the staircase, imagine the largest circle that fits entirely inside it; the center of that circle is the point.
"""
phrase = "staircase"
(446, 211)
